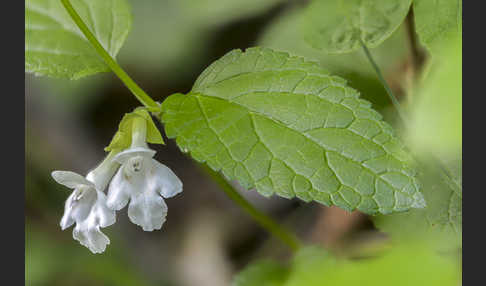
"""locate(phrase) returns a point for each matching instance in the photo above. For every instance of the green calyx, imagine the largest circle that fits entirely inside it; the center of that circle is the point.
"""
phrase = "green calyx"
(123, 137)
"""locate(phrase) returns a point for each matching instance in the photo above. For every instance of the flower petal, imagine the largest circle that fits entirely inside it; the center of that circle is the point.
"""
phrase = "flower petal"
(103, 215)
(122, 157)
(67, 219)
(82, 203)
(91, 237)
(101, 178)
(118, 191)
(164, 180)
(70, 179)
(147, 210)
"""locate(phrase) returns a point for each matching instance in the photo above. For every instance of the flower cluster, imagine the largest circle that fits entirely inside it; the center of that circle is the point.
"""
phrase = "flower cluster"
(136, 179)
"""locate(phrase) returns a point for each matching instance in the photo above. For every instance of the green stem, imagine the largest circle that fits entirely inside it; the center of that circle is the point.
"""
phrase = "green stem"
(392, 97)
(146, 100)
(265, 221)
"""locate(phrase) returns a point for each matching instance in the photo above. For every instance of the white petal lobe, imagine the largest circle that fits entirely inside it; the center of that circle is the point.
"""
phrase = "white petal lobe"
(86, 207)
(165, 180)
(70, 179)
(143, 181)
(104, 216)
(91, 237)
(148, 210)
(118, 192)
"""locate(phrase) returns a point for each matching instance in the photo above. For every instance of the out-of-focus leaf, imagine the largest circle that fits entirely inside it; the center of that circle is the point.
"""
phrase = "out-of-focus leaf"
(435, 20)
(402, 265)
(441, 221)
(54, 45)
(262, 273)
(310, 264)
(339, 26)
(286, 126)
(437, 113)
(284, 34)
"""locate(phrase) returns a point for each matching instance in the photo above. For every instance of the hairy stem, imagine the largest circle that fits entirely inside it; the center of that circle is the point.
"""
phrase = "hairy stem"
(265, 221)
(146, 100)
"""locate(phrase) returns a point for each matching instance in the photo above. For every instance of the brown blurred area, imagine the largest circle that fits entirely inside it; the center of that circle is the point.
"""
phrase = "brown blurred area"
(206, 238)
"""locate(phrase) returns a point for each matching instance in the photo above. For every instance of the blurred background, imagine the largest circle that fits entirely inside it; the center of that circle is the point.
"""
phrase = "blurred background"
(206, 238)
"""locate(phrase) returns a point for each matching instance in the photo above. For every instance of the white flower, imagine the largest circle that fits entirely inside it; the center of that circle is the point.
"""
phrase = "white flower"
(86, 206)
(142, 180)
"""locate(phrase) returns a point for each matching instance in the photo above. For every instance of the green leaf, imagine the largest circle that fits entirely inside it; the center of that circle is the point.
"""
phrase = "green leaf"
(438, 107)
(402, 265)
(337, 26)
(54, 46)
(262, 273)
(123, 137)
(310, 264)
(286, 126)
(436, 20)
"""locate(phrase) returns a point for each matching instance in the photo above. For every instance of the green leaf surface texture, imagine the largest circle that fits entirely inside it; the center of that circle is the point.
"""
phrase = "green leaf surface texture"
(54, 45)
(337, 26)
(285, 126)
(436, 20)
